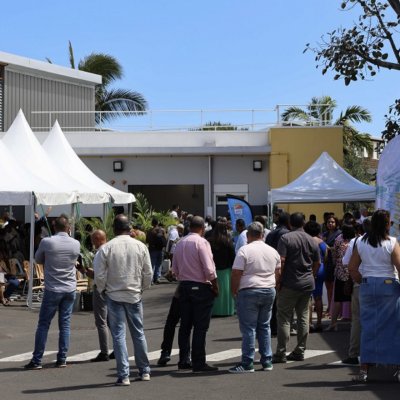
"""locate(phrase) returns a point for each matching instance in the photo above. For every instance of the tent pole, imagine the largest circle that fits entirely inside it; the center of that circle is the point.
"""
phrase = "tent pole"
(31, 254)
(130, 205)
(10, 212)
(105, 215)
(73, 220)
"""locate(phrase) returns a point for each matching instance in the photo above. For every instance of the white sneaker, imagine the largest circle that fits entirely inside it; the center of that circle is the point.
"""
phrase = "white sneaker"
(123, 382)
(143, 376)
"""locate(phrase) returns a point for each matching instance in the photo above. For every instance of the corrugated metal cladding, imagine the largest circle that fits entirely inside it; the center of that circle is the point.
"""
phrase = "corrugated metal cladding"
(31, 93)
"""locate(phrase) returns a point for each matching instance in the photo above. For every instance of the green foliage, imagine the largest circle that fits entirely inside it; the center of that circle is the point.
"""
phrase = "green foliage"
(219, 126)
(357, 167)
(316, 114)
(106, 98)
(359, 52)
(145, 214)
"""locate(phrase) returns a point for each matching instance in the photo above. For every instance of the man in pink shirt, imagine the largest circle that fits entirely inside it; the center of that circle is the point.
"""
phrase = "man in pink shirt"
(194, 267)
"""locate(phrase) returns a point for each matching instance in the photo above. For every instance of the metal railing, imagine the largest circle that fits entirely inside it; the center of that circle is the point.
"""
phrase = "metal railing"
(197, 123)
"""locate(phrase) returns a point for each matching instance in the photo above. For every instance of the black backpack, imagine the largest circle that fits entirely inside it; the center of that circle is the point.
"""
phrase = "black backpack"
(160, 241)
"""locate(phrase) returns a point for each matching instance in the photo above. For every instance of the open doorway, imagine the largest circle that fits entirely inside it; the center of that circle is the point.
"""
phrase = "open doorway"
(161, 197)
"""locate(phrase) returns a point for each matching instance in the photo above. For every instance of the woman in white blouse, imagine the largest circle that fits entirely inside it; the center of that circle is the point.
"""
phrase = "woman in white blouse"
(379, 295)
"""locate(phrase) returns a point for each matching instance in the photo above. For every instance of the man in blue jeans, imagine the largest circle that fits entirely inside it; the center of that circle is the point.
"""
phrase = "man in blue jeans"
(253, 284)
(124, 272)
(59, 254)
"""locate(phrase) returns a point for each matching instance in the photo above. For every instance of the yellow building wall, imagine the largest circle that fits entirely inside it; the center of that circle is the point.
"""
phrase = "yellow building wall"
(293, 151)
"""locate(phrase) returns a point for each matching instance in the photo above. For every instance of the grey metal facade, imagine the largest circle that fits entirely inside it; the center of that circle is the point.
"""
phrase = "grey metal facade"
(33, 93)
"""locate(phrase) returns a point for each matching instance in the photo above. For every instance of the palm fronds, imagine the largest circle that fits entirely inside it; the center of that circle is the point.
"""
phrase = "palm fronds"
(71, 55)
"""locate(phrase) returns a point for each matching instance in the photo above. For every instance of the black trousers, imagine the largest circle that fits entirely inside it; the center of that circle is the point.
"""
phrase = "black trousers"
(173, 318)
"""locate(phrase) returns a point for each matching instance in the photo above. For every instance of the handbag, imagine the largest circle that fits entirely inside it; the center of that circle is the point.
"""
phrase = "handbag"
(348, 287)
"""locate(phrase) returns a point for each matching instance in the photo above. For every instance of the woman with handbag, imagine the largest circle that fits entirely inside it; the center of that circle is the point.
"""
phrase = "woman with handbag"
(341, 273)
(224, 255)
(373, 264)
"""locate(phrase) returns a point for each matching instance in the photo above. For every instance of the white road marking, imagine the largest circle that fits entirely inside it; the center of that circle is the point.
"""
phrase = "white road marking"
(83, 356)
(340, 364)
(155, 355)
(24, 357)
(313, 353)
(224, 355)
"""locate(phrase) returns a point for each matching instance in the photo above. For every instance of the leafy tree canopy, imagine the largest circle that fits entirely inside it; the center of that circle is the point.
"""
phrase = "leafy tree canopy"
(360, 51)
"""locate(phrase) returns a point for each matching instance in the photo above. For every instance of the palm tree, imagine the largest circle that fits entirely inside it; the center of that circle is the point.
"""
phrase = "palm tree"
(109, 99)
(319, 112)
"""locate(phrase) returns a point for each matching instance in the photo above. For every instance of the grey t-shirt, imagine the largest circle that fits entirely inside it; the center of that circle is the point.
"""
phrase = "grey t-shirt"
(59, 254)
(300, 251)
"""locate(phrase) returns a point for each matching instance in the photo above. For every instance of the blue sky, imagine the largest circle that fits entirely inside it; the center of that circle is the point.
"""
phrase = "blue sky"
(220, 54)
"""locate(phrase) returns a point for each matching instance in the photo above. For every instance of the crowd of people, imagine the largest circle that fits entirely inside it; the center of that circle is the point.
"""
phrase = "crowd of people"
(267, 275)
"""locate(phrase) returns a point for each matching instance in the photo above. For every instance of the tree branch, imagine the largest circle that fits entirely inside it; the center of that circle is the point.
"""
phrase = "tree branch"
(377, 62)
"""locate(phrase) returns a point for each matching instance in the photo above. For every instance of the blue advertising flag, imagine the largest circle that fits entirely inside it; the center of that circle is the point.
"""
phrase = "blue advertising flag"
(239, 209)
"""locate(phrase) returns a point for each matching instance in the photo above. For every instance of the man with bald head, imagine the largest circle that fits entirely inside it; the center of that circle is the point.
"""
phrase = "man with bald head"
(124, 272)
(58, 254)
(99, 302)
(194, 267)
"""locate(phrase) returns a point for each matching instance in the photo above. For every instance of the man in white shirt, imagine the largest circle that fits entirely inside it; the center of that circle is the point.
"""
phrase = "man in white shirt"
(242, 238)
(253, 284)
(174, 213)
(124, 273)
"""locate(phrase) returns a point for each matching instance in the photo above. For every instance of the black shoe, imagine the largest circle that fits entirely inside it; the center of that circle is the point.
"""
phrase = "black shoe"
(350, 360)
(186, 366)
(295, 357)
(33, 365)
(278, 359)
(60, 364)
(112, 356)
(168, 277)
(100, 357)
(205, 368)
(165, 357)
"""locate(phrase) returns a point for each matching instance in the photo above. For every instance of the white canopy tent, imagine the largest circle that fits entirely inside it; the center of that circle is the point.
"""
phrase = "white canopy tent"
(60, 151)
(26, 149)
(324, 182)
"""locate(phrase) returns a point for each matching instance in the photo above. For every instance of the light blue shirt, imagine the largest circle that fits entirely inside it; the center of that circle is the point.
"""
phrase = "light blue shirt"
(242, 240)
(59, 254)
(96, 263)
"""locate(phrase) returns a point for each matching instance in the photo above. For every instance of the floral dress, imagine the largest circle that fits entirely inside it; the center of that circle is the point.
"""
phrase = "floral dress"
(338, 252)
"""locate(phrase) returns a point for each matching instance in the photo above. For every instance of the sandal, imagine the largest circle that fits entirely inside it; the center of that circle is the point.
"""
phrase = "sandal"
(6, 303)
(398, 375)
(361, 377)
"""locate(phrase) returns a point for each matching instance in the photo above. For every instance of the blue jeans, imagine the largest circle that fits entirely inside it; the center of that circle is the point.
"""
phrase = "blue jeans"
(254, 309)
(51, 301)
(197, 300)
(12, 285)
(156, 261)
(118, 313)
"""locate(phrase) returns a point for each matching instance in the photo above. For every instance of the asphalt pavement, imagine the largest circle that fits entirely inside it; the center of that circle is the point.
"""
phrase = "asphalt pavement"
(317, 377)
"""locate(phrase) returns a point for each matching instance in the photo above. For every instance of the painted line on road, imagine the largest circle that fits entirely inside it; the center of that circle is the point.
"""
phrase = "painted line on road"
(340, 364)
(313, 353)
(224, 355)
(84, 356)
(24, 357)
(154, 355)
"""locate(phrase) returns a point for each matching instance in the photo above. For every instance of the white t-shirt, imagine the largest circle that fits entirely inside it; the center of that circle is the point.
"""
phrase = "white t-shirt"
(377, 262)
(173, 214)
(173, 235)
(242, 241)
(258, 261)
(96, 263)
(266, 231)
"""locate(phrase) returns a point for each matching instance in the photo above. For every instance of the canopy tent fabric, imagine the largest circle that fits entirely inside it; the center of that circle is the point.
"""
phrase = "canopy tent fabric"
(26, 149)
(17, 184)
(60, 151)
(324, 182)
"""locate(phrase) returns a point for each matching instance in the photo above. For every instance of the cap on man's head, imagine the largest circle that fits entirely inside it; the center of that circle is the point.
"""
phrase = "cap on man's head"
(180, 226)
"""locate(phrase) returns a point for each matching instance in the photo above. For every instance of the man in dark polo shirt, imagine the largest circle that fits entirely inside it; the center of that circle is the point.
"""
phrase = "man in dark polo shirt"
(300, 261)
